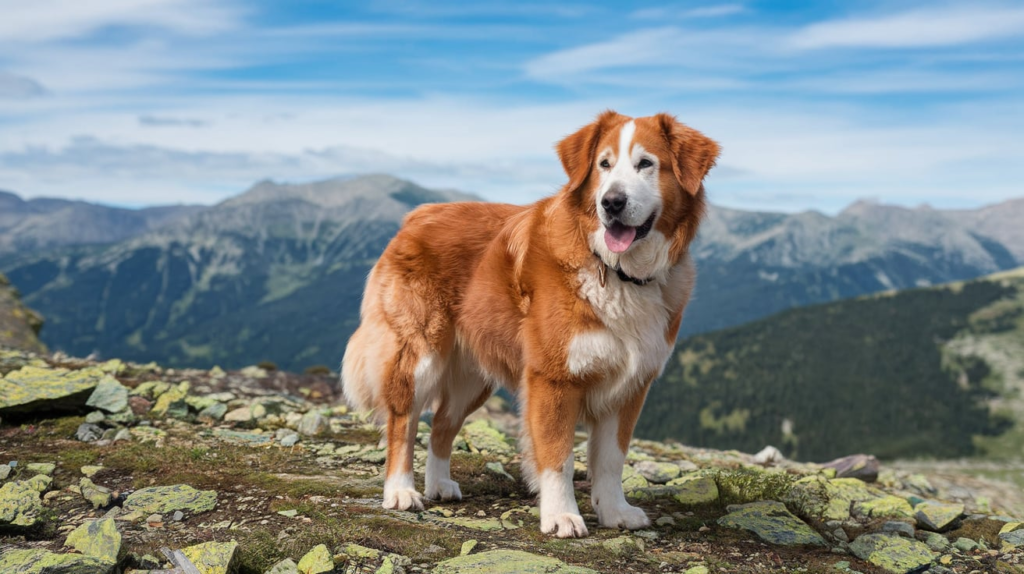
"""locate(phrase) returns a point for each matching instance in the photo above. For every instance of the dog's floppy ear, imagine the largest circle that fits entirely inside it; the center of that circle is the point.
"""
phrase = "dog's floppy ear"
(577, 150)
(693, 153)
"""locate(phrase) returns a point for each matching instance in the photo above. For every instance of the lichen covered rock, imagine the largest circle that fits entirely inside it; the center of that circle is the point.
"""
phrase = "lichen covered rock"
(892, 553)
(97, 538)
(32, 389)
(317, 561)
(109, 395)
(163, 499)
(771, 522)
(39, 561)
(692, 490)
(481, 436)
(20, 504)
(212, 557)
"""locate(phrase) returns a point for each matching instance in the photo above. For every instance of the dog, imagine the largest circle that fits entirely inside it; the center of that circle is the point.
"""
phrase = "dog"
(573, 302)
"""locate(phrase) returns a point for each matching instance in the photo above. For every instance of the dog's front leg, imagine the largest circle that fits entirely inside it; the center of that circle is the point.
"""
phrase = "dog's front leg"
(399, 487)
(606, 454)
(551, 412)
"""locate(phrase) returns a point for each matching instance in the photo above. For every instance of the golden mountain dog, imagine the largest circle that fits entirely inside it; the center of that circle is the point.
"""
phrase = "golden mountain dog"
(572, 302)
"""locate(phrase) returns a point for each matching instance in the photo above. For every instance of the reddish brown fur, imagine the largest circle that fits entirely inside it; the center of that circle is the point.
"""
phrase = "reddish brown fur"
(501, 281)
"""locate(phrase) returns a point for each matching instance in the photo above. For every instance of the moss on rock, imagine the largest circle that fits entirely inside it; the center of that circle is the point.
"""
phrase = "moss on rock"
(162, 499)
(892, 553)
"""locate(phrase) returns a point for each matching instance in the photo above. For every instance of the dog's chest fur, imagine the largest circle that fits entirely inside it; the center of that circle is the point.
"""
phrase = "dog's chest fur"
(631, 348)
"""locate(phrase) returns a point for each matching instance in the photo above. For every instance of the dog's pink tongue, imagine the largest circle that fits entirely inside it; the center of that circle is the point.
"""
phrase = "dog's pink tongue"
(619, 237)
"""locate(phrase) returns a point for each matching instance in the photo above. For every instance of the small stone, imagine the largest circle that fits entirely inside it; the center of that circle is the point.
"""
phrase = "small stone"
(96, 538)
(213, 413)
(657, 472)
(317, 561)
(97, 495)
(289, 513)
(286, 566)
(139, 406)
(467, 547)
(938, 516)
(239, 415)
(88, 432)
(171, 498)
(936, 542)
(892, 553)
(312, 424)
(40, 482)
(212, 557)
(697, 570)
(965, 544)
(507, 562)
(95, 417)
(178, 516)
(692, 490)
(624, 545)
(885, 507)
(900, 528)
(45, 468)
(860, 466)
(171, 403)
(155, 519)
(768, 456)
(290, 439)
(5, 471)
(770, 521)
(632, 479)
(665, 521)
(482, 436)
(123, 435)
(109, 395)
(498, 469)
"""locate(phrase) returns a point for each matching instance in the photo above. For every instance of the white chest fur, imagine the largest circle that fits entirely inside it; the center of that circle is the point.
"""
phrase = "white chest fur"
(631, 348)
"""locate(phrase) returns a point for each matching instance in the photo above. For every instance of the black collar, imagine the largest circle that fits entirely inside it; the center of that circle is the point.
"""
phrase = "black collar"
(618, 271)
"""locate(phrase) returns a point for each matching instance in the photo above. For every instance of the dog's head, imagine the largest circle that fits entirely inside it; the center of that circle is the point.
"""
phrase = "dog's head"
(640, 183)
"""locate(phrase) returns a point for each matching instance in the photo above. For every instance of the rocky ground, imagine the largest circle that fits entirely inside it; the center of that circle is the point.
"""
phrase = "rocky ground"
(113, 467)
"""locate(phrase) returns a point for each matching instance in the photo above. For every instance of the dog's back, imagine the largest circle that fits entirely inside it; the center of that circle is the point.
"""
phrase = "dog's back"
(414, 291)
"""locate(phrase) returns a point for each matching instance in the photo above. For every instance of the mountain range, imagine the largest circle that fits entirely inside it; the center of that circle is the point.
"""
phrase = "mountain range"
(45, 223)
(276, 273)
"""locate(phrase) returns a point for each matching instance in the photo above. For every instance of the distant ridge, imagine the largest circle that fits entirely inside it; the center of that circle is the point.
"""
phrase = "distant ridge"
(276, 272)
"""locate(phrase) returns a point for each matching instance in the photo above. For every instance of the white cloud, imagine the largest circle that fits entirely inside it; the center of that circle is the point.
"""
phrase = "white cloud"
(42, 20)
(948, 25)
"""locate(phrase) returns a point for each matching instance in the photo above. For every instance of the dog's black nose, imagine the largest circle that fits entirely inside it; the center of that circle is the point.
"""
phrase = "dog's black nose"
(614, 202)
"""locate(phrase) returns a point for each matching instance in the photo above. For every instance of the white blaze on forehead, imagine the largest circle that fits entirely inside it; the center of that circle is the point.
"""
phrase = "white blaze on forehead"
(625, 139)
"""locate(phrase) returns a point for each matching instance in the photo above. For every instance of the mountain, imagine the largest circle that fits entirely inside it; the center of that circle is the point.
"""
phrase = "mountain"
(273, 274)
(752, 264)
(936, 371)
(19, 325)
(44, 223)
(277, 272)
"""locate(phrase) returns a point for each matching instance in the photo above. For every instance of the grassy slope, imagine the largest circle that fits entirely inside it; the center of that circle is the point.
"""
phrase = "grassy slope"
(912, 373)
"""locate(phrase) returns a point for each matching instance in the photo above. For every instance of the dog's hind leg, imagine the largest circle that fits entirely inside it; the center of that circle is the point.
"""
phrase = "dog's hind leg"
(459, 398)
(412, 381)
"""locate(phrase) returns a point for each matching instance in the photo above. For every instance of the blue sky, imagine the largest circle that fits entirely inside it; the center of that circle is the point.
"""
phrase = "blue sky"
(139, 102)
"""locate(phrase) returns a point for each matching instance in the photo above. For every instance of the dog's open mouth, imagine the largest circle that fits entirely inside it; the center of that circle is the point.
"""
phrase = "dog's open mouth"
(618, 236)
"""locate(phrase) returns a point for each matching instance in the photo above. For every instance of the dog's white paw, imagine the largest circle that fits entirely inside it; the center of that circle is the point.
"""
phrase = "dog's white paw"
(443, 489)
(403, 499)
(622, 516)
(565, 525)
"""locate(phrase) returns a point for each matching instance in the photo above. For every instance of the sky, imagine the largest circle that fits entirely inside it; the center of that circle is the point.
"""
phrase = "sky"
(815, 104)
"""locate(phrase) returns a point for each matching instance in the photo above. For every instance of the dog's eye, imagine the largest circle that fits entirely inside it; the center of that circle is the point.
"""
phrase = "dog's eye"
(644, 164)
(604, 164)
